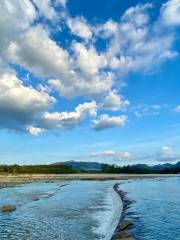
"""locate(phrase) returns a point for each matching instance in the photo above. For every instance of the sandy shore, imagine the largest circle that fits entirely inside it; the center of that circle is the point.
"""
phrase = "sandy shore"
(85, 176)
(11, 180)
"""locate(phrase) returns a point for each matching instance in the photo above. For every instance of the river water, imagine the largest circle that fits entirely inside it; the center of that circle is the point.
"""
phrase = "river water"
(90, 210)
(78, 210)
(157, 206)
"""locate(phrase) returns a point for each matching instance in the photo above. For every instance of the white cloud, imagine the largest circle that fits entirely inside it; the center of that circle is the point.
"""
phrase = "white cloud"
(125, 155)
(133, 46)
(29, 113)
(88, 87)
(87, 77)
(34, 130)
(142, 110)
(177, 109)
(139, 44)
(170, 13)
(45, 8)
(168, 154)
(69, 120)
(105, 121)
(15, 17)
(88, 60)
(106, 153)
(20, 105)
(107, 30)
(110, 153)
(136, 43)
(19, 15)
(39, 54)
(71, 77)
(113, 101)
(80, 27)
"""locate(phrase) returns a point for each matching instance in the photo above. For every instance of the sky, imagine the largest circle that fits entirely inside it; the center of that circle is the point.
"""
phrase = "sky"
(92, 80)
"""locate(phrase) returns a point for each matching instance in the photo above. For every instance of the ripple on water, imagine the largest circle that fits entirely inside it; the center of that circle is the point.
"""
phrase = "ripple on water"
(157, 204)
(58, 213)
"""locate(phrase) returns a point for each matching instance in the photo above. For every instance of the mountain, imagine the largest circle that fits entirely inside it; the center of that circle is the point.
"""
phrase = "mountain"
(143, 168)
(137, 168)
(89, 166)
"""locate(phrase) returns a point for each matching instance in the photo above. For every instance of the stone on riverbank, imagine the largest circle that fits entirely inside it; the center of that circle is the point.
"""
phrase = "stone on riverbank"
(124, 235)
(8, 208)
(126, 224)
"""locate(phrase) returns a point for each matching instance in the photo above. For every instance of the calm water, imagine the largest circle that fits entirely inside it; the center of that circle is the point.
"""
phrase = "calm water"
(157, 206)
(87, 210)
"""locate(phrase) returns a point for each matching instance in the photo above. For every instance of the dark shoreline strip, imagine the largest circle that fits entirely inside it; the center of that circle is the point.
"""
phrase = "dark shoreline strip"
(123, 229)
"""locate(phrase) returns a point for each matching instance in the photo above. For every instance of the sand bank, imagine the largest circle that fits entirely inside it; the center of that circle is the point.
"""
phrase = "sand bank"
(11, 179)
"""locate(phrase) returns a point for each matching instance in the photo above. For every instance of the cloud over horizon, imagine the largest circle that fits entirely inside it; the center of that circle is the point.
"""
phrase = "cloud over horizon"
(112, 154)
(168, 154)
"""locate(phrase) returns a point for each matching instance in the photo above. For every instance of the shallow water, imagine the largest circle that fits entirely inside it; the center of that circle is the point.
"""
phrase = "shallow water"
(157, 207)
(64, 210)
(89, 210)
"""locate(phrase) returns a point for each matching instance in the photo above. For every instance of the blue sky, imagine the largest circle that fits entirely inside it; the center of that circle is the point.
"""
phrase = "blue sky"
(90, 81)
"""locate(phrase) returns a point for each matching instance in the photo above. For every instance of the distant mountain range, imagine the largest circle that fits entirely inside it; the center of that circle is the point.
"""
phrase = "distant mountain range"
(95, 166)
(83, 165)
(89, 167)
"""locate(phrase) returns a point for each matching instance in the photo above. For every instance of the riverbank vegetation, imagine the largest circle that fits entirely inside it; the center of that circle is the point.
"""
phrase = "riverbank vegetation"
(143, 169)
(37, 169)
(105, 168)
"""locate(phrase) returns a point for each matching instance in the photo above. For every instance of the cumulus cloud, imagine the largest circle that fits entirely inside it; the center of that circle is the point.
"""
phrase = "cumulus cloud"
(20, 105)
(80, 27)
(34, 130)
(113, 101)
(39, 54)
(14, 18)
(132, 44)
(106, 153)
(88, 87)
(177, 109)
(88, 60)
(107, 29)
(114, 154)
(170, 13)
(139, 44)
(168, 154)
(27, 40)
(45, 8)
(105, 121)
(71, 77)
(86, 77)
(69, 120)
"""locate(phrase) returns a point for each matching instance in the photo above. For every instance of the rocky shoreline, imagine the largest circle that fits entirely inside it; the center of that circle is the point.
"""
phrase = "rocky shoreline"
(124, 227)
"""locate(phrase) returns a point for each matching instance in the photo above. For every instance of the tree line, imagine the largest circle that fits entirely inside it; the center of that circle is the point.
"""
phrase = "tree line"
(142, 169)
(68, 169)
(36, 169)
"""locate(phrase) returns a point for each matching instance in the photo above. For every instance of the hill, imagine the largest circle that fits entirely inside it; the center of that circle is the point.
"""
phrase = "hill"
(86, 166)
